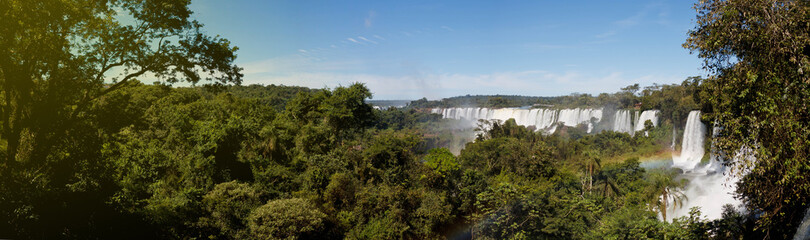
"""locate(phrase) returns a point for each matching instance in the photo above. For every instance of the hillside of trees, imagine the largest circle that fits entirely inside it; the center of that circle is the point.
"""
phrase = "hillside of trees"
(162, 162)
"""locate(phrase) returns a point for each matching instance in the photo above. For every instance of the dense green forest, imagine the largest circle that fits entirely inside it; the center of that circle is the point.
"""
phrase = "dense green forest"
(90, 152)
(163, 162)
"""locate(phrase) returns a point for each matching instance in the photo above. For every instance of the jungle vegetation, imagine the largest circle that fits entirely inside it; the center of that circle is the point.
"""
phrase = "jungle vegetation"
(89, 151)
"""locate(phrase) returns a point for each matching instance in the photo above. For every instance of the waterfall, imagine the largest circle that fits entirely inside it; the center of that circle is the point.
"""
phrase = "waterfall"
(541, 118)
(710, 187)
(692, 147)
(672, 145)
(622, 121)
(569, 117)
(715, 157)
(651, 115)
(547, 119)
(573, 117)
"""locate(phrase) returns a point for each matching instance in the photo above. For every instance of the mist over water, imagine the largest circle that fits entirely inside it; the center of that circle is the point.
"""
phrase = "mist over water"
(709, 188)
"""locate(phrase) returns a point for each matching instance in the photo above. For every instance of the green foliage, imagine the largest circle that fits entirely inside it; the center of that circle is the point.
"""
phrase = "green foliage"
(293, 218)
(193, 162)
(272, 95)
(759, 53)
(442, 161)
(383, 227)
(60, 60)
(89, 157)
(628, 223)
(674, 101)
(340, 193)
(228, 206)
(663, 189)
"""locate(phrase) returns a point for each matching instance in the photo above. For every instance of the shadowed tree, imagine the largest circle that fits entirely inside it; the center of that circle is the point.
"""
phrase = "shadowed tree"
(57, 59)
(759, 52)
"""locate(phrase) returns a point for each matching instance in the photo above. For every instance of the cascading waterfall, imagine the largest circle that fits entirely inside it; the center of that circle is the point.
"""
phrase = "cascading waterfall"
(622, 121)
(573, 117)
(692, 150)
(541, 118)
(709, 188)
(651, 115)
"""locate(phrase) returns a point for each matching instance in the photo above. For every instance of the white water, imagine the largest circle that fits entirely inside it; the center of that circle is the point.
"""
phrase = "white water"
(547, 119)
(692, 150)
(710, 192)
(542, 119)
(672, 146)
(651, 115)
(573, 117)
(710, 187)
(622, 122)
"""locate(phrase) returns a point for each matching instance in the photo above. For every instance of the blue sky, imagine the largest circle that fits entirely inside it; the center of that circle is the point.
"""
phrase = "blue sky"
(414, 49)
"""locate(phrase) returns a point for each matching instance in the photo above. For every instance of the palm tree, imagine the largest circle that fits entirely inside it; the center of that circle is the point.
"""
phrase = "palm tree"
(607, 183)
(591, 164)
(664, 189)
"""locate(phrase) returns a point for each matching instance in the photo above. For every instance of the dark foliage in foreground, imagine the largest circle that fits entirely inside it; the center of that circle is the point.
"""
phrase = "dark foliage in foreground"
(188, 162)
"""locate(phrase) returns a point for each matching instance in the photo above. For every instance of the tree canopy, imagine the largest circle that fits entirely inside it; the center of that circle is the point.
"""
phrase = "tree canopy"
(760, 53)
(58, 61)
(89, 151)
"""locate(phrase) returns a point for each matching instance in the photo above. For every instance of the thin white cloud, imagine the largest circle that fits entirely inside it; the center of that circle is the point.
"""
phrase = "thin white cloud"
(354, 41)
(366, 39)
(448, 28)
(369, 20)
(378, 37)
(641, 17)
(302, 51)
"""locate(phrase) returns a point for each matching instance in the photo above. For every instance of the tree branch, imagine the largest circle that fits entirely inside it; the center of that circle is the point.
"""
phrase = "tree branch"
(82, 105)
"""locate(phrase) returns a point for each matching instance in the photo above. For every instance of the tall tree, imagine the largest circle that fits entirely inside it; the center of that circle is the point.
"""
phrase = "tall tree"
(760, 53)
(58, 57)
(663, 189)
